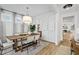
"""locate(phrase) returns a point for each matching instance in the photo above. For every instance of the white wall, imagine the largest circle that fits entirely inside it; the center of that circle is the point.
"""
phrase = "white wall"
(58, 28)
(77, 26)
(51, 25)
(47, 25)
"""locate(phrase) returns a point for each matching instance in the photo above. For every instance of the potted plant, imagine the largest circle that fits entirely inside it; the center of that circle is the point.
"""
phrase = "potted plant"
(32, 28)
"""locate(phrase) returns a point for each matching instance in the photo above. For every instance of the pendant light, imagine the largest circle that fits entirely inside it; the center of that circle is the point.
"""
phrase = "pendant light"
(27, 19)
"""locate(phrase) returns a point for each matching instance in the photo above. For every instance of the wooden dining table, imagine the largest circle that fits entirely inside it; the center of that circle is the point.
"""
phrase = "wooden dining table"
(20, 37)
(15, 39)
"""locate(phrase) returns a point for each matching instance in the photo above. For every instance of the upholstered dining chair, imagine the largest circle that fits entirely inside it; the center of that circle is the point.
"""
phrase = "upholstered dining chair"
(74, 47)
(28, 41)
(5, 45)
(37, 38)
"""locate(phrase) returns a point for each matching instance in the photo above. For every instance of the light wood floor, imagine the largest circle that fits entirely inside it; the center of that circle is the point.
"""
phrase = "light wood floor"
(47, 50)
(52, 47)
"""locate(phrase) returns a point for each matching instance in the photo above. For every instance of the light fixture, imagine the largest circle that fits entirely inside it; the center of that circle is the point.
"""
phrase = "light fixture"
(27, 19)
(67, 6)
(1, 10)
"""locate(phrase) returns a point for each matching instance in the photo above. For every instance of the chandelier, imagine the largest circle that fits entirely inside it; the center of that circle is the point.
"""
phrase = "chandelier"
(27, 19)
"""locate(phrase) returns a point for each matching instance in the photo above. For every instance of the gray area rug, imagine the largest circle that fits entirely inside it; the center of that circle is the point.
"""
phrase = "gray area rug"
(31, 51)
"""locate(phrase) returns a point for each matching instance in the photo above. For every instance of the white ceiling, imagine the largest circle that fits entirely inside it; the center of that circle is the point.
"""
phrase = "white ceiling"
(74, 8)
(36, 9)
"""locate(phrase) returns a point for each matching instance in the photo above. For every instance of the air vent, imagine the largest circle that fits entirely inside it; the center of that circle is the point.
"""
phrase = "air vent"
(67, 6)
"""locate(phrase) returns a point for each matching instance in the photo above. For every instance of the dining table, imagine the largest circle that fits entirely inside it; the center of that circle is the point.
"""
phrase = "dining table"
(19, 38)
(15, 39)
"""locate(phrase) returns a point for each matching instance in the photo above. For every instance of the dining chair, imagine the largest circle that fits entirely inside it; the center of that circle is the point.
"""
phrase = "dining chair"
(37, 39)
(6, 46)
(74, 47)
(28, 42)
(28, 39)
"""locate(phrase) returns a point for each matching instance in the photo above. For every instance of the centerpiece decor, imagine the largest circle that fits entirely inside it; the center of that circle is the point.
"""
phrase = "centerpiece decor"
(32, 28)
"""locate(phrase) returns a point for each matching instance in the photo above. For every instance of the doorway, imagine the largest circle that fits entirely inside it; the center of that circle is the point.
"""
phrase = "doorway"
(68, 29)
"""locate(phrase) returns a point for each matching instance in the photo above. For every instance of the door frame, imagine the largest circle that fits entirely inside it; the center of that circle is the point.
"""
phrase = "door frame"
(67, 15)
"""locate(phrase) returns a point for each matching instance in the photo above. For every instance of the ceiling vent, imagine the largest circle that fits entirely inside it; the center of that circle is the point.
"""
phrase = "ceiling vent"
(67, 6)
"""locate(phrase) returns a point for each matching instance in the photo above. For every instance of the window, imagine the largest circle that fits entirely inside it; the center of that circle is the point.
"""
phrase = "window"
(7, 21)
(25, 28)
(18, 23)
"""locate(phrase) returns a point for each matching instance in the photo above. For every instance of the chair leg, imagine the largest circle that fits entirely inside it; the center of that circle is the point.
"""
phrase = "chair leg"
(1, 52)
(38, 42)
(35, 45)
(27, 50)
(71, 51)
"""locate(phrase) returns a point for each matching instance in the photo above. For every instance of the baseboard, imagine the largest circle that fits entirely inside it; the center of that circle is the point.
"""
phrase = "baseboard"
(48, 41)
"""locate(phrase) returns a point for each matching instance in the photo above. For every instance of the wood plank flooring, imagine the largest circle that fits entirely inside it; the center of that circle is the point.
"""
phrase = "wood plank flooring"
(52, 47)
(47, 50)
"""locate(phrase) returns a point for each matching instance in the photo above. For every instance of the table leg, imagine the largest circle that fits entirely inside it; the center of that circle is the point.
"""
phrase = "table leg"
(15, 45)
(21, 45)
